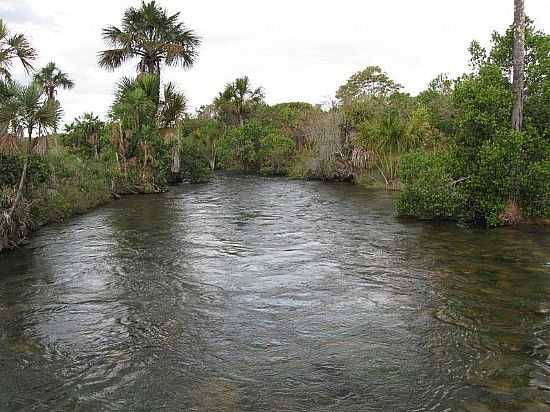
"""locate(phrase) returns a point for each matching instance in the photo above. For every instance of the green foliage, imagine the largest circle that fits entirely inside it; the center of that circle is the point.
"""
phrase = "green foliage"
(86, 135)
(239, 148)
(395, 126)
(27, 109)
(537, 59)
(14, 47)
(430, 192)
(238, 101)
(58, 185)
(194, 159)
(438, 102)
(289, 118)
(11, 168)
(511, 169)
(277, 152)
(152, 35)
(485, 106)
(51, 78)
(75, 185)
(172, 107)
(370, 82)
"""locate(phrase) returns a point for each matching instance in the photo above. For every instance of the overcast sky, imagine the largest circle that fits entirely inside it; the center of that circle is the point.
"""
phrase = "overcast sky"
(296, 49)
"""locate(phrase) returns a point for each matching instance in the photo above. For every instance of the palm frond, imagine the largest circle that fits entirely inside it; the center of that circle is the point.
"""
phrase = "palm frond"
(22, 49)
(173, 106)
(114, 58)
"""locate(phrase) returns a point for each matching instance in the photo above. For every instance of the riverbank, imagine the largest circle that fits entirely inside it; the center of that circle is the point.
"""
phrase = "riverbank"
(60, 185)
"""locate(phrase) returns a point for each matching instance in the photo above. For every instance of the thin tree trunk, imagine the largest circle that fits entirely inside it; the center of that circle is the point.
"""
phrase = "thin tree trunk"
(519, 63)
(23, 176)
(241, 119)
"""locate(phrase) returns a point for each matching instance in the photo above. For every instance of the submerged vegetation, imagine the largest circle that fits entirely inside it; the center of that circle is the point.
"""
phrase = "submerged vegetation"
(474, 148)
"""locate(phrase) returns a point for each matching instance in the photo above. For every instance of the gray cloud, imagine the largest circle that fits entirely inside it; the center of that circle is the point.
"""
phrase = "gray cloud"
(20, 12)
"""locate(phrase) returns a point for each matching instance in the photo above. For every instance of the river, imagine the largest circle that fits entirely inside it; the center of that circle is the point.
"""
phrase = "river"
(259, 294)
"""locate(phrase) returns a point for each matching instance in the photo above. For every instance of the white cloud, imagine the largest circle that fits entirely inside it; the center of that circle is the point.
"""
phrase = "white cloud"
(297, 50)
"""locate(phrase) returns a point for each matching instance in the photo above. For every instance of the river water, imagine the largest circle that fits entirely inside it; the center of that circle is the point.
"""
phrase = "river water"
(257, 294)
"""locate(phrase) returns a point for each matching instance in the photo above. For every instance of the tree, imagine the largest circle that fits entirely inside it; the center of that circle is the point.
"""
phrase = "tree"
(27, 110)
(84, 134)
(370, 82)
(51, 78)
(172, 107)
(238, 98)
(153, 36)
(518, 63)
(209, 132)
(14, 47)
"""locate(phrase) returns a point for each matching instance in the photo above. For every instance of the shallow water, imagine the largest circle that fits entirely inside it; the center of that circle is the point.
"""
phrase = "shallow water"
(259, 294)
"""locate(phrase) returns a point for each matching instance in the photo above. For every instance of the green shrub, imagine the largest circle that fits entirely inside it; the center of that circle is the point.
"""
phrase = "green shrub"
(239, 147)
(11, 168)
(512, 167)
(430, 191)
(194, 159)
(277, 152)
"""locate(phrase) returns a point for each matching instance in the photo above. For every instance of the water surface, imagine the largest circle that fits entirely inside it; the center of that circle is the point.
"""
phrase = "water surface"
(256, 294)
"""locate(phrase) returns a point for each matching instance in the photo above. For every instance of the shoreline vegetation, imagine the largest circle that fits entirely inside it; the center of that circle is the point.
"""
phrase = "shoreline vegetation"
(473, 149)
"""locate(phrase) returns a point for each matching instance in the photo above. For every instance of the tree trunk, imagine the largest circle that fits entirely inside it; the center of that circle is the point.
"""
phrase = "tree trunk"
(241, 119)
(519, 63)
(23, 176)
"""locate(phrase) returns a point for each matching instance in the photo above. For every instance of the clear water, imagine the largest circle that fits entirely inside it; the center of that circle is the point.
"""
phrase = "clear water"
(256, 294)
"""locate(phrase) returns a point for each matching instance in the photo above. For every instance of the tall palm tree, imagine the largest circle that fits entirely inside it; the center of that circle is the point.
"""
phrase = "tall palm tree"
(14, 47)
(51, 78)
(153, 36)
(518, 63)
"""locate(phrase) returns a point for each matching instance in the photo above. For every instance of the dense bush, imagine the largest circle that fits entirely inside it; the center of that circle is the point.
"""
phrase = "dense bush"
(277, 152)
(194, 159)
(11, 167)
(431, 190)
(508, 182)
(86, 135)
(512, 170)
(239, 148)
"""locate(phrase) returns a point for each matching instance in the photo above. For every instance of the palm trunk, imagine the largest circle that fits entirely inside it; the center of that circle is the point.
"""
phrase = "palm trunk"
(519, 63)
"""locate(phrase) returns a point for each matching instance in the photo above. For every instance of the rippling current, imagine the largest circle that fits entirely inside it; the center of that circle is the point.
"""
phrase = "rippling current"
(257, 294)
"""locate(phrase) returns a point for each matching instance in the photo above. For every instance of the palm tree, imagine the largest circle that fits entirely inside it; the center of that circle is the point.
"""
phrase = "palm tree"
(52, 78)
(153, 36)
(172, 107)
(239, 96)
(14, 47)
(27, 110)
(518, 63)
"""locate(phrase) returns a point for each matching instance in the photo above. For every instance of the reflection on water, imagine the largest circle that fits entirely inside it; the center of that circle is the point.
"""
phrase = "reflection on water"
(269, 294)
